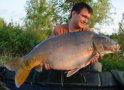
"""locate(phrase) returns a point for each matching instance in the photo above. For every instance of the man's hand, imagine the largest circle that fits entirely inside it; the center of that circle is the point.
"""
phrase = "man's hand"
(96, 58)
(47, 66)
(87, 29)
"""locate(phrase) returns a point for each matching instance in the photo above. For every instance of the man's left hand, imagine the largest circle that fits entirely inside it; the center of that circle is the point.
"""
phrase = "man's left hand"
(96, 58)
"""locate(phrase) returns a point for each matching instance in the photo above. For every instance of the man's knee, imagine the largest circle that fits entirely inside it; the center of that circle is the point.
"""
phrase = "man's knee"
(97, 67)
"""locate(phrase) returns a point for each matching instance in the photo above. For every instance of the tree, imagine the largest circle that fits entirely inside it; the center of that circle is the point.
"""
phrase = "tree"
(121, 33)
(2, 23)
(121, 25)
(40, 15)
(101, 10)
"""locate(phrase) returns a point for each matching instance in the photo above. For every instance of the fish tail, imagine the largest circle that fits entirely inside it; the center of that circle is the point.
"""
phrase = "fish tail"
(21, 73)
(14, 64)
(21, 76)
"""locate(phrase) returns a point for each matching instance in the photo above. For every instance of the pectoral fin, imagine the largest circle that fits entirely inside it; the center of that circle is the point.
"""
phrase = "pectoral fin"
(39, 69)
(71, 72)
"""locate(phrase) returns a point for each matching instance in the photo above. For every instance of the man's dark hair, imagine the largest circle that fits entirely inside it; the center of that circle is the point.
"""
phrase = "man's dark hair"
(79, 6)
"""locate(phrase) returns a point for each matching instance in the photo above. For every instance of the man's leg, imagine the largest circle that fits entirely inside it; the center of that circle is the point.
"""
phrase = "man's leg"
(96, 67)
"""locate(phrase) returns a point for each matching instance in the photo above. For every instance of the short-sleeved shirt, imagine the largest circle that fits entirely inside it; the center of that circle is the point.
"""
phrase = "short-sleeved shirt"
(64, 28)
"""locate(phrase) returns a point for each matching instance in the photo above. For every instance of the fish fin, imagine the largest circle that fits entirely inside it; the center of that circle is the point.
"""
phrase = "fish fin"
(13, 65)
(71, 72)
(85, 64)
(39, 69)
(21, 76)
(21, 73)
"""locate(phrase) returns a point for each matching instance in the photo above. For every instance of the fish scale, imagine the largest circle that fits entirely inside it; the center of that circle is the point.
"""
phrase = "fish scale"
(69, 52)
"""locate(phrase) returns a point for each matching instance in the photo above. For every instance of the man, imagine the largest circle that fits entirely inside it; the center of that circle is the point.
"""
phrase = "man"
(80, 14)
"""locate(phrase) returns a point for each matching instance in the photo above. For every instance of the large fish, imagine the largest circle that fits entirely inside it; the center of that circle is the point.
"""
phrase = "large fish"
(69, 52)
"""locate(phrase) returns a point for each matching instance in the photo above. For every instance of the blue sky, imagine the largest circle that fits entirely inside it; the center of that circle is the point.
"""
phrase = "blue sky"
(14, 9)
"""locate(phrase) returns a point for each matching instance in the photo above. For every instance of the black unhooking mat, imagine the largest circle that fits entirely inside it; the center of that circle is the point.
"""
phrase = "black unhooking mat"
(57, 80)
(119, 76)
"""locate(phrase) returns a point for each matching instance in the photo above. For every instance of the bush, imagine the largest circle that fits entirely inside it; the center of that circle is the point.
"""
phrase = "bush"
(17, 41)
(112, 62)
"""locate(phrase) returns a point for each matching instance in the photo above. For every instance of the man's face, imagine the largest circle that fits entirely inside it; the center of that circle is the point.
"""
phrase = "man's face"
(81, 19)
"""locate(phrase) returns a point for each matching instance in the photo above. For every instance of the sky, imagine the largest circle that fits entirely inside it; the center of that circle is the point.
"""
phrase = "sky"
(15, 10)
(12, 10)
(118, 8)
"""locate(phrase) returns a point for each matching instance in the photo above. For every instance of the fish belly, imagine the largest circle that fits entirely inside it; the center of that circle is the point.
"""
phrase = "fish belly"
(68, 58)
